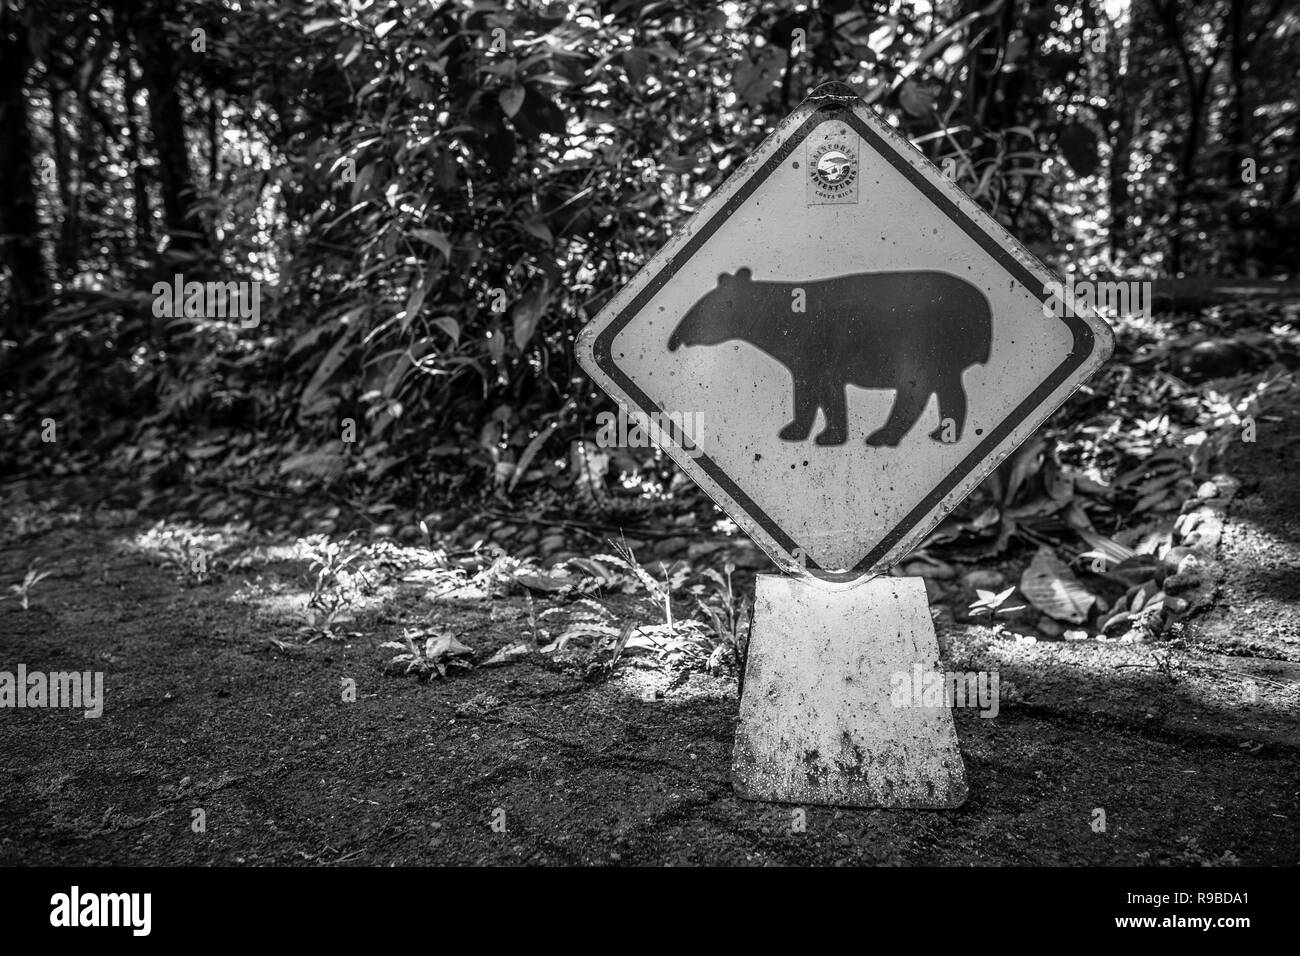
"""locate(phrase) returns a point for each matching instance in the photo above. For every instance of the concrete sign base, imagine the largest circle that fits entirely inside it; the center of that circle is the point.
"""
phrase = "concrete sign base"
(828, 714)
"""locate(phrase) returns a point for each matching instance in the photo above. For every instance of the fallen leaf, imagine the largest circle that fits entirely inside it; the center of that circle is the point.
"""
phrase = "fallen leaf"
(1050, 585)
(544, 582)
(508, 654)
(1112, 551)
(444, 645)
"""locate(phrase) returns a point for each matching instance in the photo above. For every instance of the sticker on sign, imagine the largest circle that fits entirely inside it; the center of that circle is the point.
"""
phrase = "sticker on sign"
(859, 341)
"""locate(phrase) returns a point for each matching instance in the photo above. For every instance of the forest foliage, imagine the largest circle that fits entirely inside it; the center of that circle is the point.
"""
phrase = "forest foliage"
(435, 197)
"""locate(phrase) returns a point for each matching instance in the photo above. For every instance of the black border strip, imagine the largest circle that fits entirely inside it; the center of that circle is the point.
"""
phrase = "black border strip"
(1081, 350)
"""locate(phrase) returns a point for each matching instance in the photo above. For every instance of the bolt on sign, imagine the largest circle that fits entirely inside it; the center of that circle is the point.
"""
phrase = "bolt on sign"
(858, 343)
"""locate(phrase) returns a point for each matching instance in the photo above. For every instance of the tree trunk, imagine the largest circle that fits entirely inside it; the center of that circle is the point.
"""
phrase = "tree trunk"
(135, 160)
(1117, 194)
(90, 198)
(68, 244)
(214, 143)
(1197, 89)
(20, 233)
(160, 69)
(1238, 138)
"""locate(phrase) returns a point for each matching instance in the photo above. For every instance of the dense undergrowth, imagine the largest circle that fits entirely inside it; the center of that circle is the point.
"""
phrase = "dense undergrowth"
(1079, 533)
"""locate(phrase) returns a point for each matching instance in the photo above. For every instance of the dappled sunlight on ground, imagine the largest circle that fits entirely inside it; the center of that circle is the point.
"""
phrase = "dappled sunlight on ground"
(594, 753)
(1171, 684)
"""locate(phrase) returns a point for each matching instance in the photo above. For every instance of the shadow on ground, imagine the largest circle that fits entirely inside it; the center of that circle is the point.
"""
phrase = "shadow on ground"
(204, 712)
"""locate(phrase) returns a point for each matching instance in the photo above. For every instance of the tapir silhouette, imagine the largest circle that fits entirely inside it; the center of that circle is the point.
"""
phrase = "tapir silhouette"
(915, 332)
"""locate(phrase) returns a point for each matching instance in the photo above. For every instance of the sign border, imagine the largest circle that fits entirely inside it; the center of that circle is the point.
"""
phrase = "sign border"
(845, 110)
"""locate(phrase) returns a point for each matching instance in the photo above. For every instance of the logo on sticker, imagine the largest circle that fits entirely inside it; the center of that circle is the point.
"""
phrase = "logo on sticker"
(834, 170)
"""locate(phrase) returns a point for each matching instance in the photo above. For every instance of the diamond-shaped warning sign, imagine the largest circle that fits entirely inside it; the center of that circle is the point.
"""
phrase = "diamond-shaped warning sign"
(840, 345)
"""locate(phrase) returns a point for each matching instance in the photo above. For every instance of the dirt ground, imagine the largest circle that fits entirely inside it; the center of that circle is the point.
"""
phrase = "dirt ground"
(1189, 747)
